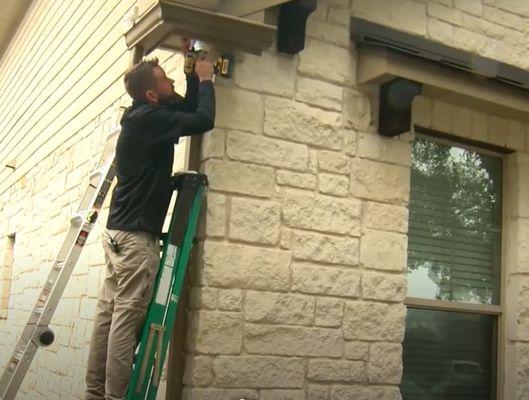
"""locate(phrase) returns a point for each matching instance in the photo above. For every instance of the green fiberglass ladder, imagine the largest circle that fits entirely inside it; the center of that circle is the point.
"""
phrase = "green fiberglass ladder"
(171, 273)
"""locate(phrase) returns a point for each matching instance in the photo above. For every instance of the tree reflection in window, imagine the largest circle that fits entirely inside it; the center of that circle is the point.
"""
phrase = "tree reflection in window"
(455, 218)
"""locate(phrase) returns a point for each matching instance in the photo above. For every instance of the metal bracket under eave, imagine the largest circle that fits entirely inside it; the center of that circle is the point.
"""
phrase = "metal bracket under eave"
(166, 21)
(291, 25)
(395, 98)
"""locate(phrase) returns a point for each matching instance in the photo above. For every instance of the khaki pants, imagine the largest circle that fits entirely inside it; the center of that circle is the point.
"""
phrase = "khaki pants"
(120, 314)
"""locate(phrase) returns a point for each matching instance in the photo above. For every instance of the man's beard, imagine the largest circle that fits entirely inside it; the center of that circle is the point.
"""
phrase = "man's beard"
(166, 100)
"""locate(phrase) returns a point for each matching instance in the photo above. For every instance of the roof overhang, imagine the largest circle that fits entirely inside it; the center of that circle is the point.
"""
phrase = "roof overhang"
(226, 25)
(12, 13)
(387, 56)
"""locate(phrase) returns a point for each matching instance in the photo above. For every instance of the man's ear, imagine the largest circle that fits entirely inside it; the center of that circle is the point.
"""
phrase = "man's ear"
(151, 96)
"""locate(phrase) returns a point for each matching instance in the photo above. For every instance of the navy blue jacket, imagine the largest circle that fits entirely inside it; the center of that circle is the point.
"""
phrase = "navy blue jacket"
(145, 154)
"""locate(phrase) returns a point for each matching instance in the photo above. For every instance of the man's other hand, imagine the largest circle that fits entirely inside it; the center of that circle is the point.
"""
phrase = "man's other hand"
(204, 70)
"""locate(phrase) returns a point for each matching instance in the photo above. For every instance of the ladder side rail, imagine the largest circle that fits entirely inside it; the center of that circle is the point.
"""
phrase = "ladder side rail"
(179, 277)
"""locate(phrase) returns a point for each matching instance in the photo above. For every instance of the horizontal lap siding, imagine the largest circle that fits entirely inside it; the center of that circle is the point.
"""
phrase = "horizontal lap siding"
(63, 70)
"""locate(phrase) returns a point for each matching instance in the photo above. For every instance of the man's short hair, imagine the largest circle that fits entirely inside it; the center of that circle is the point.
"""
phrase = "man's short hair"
(140, 77)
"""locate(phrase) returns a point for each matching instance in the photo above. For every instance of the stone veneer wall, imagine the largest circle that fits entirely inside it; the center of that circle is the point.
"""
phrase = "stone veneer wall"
(299, 289)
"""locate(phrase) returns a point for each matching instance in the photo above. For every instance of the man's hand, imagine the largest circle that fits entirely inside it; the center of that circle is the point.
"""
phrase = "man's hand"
(204, 70)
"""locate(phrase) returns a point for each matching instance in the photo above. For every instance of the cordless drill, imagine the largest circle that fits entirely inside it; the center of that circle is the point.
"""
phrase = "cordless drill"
(223, 65)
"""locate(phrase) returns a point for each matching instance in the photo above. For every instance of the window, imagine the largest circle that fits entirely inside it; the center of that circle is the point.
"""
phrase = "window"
(454, 270)
(5, 275)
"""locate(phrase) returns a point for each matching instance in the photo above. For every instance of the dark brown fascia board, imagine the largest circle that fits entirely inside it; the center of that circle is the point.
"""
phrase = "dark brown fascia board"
(227, 32)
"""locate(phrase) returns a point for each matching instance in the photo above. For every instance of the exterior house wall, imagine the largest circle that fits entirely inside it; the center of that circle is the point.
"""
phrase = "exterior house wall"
(299, 292)
(299, 288)
(60, 97)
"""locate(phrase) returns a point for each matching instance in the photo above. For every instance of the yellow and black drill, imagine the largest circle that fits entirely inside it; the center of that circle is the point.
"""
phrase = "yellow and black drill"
(223, 65)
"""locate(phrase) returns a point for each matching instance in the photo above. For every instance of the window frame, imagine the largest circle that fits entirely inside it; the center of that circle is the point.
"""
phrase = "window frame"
(498, 310)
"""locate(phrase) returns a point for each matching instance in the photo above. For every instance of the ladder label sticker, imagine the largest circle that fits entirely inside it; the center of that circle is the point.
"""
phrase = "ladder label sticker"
(164, 285)
(170, 255)
(81, 239)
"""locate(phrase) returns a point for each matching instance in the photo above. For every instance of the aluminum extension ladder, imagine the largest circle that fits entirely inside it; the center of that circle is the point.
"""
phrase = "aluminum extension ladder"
(37, 332)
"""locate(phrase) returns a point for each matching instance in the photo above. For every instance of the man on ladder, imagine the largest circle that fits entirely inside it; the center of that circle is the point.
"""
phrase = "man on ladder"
(143, 161)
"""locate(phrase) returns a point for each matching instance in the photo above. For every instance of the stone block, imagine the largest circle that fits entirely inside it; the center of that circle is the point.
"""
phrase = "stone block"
(318, 392)
(348, 392)
(293, 341)
(246, 267)
(356, 110)
(321, 370)
(203, 298)
(269, 73)
(241, 178)
(385, 217)
(325, 248)
(474, 7)
(213, 144)
(219, 394)
(503, 18)
(238, 109)
(215, 221)
(306, 210)
(198, 371)
(316, 279)
(319, 93)
(230, 299)
(383, 286)
(444, 13)
(268, 151)
(254, 220)
(383, 250)
(279, 308)
(258, 372)
(339, 16)
(440, 31)
(382, 182)
(374, 321)
(334, 185)
(332, 161)
(356, 350)
(314, 62)
(213, 332)
(333, 34)
(299, 122)
(329, 312)
(296, 179)
(406, 15)
(385, 363)
(282, 394)
(379, 148)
